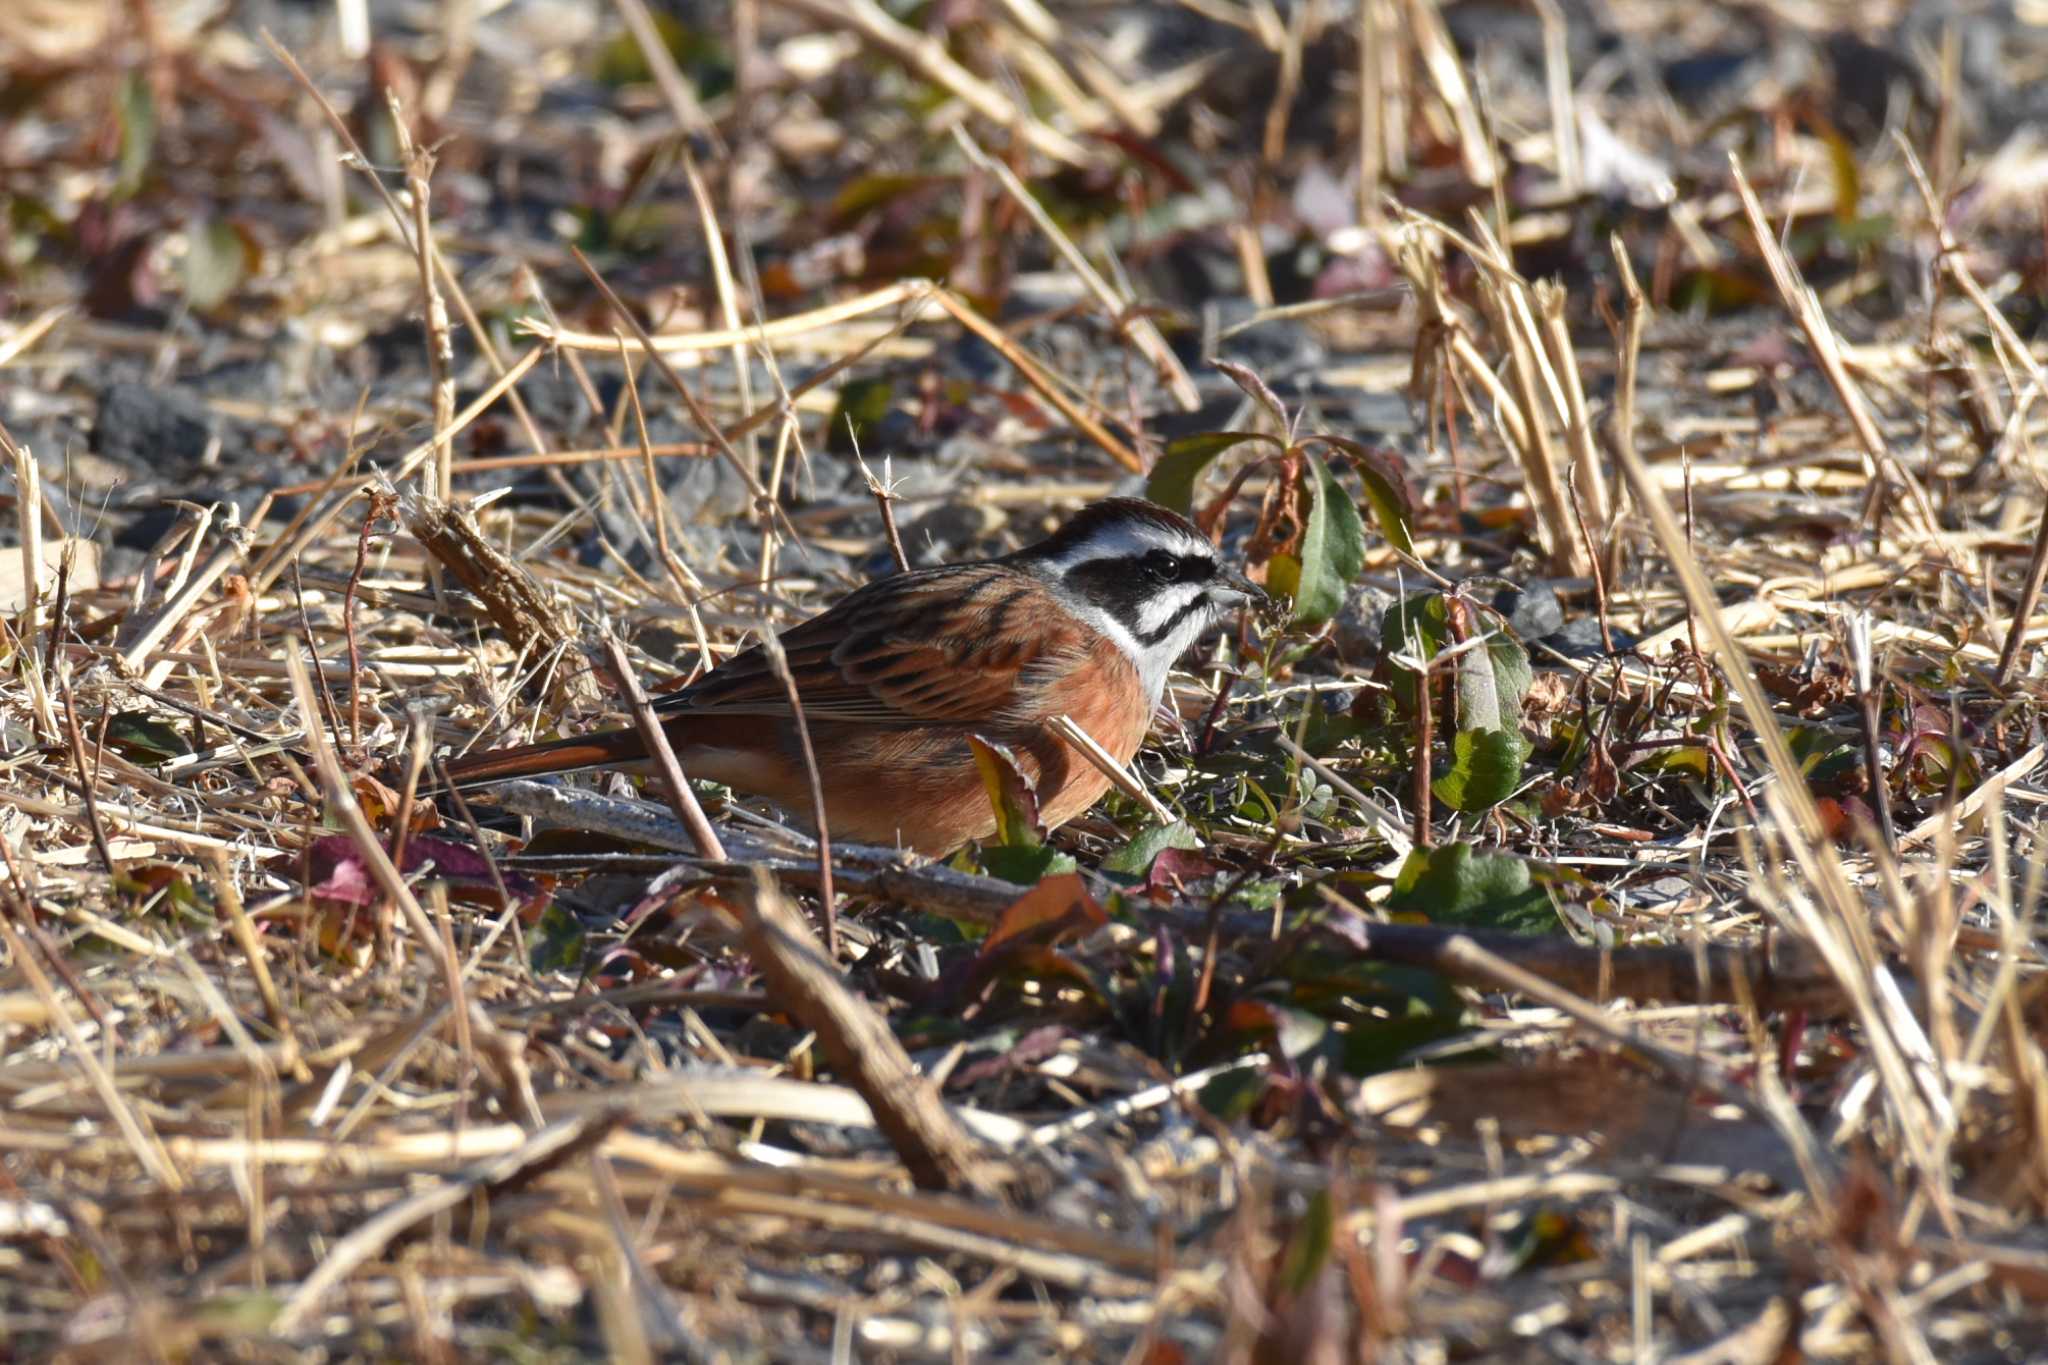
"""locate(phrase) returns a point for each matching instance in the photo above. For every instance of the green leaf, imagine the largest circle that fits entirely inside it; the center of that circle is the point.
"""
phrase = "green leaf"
(1431, 1010)
(142, 738)
(1230, 1095)
(1486, 767)
(1459, 884)
(1418, 625)
(1135, 859)
(1386, 489)
(1024, 864)
(1283, 575)
(1173, 478)
(1010, 793)
(862, 404)
(697, 52)
(1332, 548)
(138, 135)
(1825, 756)
(1308, 1249)
(1493, 679)
(557, 941)
(217, 259)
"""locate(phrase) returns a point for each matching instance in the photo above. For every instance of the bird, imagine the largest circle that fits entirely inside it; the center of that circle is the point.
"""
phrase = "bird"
(899, 673)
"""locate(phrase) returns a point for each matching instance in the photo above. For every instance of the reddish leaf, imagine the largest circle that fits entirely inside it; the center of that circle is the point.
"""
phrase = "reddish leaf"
(339, 873)
(1176, 867)
(1057, 908)
(1255, 389)
(1028, 1051)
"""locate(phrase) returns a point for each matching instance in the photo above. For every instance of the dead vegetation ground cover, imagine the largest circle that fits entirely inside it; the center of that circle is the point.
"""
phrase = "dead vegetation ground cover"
(1596, 923)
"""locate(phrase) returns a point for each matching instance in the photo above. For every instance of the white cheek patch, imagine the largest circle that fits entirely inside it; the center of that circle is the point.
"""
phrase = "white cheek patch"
(1165, 607)
(1107, 624)
(1189, 629)
(1155, 660)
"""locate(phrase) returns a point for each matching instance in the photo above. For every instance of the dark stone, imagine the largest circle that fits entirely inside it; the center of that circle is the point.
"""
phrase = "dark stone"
(1281, 348)
(165, 431)
(148, 527)
(950, 531)
(1579, 638)
(1532, 610)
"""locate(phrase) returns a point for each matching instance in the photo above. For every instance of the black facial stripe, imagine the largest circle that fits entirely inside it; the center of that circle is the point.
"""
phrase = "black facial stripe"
(1119, 585)
(1122, 586)
(1200, 602)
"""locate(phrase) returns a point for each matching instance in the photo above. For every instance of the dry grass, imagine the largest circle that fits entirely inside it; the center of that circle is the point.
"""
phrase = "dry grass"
(300, 1061)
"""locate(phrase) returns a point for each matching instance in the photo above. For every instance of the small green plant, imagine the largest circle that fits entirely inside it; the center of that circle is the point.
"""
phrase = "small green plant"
(1434, 638)
(1310, 539)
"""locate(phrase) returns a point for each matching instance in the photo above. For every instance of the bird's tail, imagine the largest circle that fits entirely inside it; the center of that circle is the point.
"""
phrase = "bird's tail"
(598, 749)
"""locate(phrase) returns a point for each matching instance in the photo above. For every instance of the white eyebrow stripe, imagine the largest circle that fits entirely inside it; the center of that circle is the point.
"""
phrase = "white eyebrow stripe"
(1131, 539)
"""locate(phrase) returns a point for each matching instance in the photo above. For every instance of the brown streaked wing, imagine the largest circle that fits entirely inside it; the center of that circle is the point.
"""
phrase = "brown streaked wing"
(932, 646)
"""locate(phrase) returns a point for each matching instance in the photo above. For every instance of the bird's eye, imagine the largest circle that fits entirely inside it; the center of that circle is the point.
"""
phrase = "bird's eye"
(1161, 566)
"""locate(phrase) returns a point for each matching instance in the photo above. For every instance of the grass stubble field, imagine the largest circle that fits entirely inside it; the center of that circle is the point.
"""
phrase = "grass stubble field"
(1595, 919)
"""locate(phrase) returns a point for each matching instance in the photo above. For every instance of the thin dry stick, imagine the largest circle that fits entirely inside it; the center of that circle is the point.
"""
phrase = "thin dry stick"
(728, 293)
(419, 170)
(1372, 99)
(1142, 331)
(1104, 762)
(1636, 321)
(1387, 822)
(29, 520)
(1841, 933)
(933, 1146)
(478, 333)
(1425, 741)
(1468, 955)
(885, 499)
(343, 807)
(229, 897)
(523, 607)
(156, 629)
(778, 660)
(926, 54)
(2023, 606)
(28, 512)
(1805, 308)
(341, 129)
(24, 337)
(1552, 505)
(1035, 375)
(1557, 71)
(675, 87)
(677, 787)
(702, 418)
(914, 292)
(289, 544)
(545, 1149)
(88, 779)
(142, 1141)
(687, 586)
(1700, 597)
(379, 504)
(2009, 342)
(1564, 359)
(1439, 55)
(1286, 85)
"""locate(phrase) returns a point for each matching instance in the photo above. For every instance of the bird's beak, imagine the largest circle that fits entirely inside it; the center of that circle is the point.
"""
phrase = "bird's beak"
(1241, 591)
